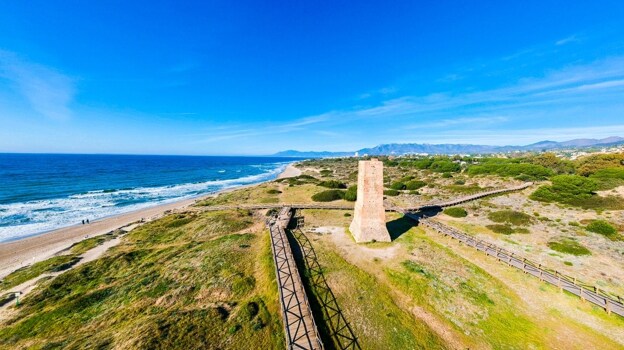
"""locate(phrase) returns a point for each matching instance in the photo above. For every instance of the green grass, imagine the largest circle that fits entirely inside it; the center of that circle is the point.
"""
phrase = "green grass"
(510, 217)
(568, 246)
(456, 212)
(171, 283)
(465, 296)
(373, 315)
(90, 243)
(54, 264)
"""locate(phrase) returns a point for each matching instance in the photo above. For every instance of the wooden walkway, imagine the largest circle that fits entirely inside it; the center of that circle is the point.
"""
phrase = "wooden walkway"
(299, 326)
(433, 204)
(469, 198)
(607, 301)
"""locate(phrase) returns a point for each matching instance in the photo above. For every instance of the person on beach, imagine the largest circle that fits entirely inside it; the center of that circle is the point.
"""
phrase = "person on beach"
(87, 221)
(83, 222)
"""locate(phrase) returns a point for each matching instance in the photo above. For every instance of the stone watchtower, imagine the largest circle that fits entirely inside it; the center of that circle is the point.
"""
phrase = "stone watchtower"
(369, 218)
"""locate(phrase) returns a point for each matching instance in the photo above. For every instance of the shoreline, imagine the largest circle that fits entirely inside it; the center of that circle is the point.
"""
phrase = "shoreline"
(29, 250)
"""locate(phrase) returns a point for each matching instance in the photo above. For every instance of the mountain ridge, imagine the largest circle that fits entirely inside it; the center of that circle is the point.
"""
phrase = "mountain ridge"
(446, 148)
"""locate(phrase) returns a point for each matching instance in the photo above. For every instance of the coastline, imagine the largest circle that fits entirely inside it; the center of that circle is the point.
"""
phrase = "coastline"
(32, 249)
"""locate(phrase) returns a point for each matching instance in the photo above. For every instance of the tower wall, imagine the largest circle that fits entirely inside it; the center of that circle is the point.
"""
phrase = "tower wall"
(369, 218)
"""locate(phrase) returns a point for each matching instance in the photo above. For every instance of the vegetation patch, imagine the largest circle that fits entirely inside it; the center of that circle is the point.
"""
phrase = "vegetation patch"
(576, 191)
(568, 246)
(273, 191)
(351, 194)
(456, 212)
(603, 228)
(54, 264)
(500, 228)
(332, 184)
(391, 193)
(510, 217)
(398, 186)
(328, 196)
(415, 185)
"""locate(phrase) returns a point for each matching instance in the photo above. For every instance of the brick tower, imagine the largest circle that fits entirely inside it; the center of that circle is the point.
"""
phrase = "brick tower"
(369, 218)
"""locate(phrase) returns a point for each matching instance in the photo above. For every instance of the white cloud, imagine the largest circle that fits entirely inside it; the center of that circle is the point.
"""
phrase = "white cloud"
(567, 40)
(48, 92)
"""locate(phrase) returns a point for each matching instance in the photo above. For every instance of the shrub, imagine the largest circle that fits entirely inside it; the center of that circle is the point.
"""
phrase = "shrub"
(568, 246)
(444, 166)
(328, 196)
(274, 191)
(603, 228)
(502, 229)
(351, 194)
(593, 163)
(414, 185)
(332, 184)
(460, 182)
(510, 217)
(566, 189)
(398, 186)
(391, 193)
(505, 167)
(326, 172)
(456, 212)
(447, 175)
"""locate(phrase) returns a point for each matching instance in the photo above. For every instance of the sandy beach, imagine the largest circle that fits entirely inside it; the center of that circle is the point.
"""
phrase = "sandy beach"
(23, 252)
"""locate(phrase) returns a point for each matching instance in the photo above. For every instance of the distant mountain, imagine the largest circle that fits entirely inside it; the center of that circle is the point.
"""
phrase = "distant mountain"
(311, 154)
(412, 148)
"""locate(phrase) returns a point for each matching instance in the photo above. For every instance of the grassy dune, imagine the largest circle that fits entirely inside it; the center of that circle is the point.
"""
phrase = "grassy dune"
(185, 281)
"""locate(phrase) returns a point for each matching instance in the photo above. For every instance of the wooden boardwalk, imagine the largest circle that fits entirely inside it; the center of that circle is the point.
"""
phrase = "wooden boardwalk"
(299, 326)
(433, 204)
(457, 201)
(610, 303)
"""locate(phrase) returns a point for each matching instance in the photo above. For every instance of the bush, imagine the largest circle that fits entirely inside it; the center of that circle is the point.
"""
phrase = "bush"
(506, 167)
(445, 166)
(398, 186)
(592, 164)
(447, 175)
(502, 229)
(460, 182)
(568, 246)
(456, 212)
(566, 189)
(391, 193)
(351, 194)
(510, 217)
(273, 191)
(603, 228)
(328, 196)
(414, 185)
(326, 172)
(332, 184)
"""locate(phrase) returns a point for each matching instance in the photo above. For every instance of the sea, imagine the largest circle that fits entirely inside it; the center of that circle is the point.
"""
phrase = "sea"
(43, 192)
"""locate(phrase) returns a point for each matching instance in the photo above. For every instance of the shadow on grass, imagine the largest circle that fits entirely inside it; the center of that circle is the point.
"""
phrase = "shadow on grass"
(398, 227)
(333, 328)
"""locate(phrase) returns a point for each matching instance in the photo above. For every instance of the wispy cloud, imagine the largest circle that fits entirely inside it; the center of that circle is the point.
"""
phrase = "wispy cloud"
(49, 92)
(567, 40)
(576, 94)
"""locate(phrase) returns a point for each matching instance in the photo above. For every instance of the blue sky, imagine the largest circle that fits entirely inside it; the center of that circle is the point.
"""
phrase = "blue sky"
(243, 77)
